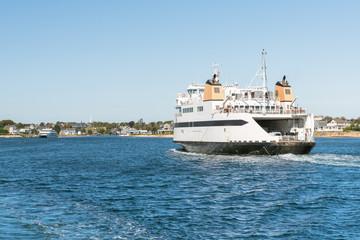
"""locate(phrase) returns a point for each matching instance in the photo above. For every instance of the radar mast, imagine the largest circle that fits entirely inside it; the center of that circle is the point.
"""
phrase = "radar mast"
(216, 72)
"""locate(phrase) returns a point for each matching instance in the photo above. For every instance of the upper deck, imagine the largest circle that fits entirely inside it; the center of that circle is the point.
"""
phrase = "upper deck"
(215, 98)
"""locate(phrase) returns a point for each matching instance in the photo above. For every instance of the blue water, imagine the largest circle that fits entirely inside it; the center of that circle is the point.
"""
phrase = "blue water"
(144, 188)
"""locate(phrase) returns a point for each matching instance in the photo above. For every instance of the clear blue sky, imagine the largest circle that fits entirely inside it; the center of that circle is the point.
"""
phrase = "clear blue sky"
(125, 60)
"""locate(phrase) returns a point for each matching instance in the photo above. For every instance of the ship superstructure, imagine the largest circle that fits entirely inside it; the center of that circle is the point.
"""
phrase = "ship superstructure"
(213, 118)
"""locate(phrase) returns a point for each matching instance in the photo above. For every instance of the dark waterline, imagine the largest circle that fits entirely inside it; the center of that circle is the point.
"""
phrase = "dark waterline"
(143, 188)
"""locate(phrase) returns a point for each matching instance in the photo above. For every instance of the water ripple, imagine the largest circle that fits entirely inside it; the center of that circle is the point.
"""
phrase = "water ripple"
(145, 188)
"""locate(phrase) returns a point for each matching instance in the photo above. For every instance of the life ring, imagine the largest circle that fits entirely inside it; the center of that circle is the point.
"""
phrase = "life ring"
(183, 95)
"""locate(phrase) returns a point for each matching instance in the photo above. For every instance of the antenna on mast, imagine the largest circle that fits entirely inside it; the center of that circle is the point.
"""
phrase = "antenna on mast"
(216, 67)
(216, 72)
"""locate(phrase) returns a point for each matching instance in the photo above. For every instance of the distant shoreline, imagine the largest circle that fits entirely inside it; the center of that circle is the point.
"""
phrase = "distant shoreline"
(67, 136)
(355, 134)
(155, 135)
(10, 136)
(135, 135)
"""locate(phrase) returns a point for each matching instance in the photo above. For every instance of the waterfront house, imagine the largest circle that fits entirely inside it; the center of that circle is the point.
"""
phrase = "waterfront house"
(166, 128)
(12, 129)
(126, 131)
(68, 132)
(320, 125)
(336, 124)
(25, 130)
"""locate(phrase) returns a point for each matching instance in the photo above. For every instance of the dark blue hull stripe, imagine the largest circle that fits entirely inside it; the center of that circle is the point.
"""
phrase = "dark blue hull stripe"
(219, 123)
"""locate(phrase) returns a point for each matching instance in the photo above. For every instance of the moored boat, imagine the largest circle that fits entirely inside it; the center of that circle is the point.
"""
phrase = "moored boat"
(47, 133)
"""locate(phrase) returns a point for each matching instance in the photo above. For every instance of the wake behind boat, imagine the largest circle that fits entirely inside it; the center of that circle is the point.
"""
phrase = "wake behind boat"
(219, 119)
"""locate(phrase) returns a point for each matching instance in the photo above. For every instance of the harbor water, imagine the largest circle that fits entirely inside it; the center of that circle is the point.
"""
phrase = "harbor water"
(145, 188)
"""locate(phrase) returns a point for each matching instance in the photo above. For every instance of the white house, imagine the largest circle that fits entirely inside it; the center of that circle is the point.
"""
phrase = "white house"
(126, 131)
(25, 130)
(166, 128)
(68, 131)
(12, 129)
(336, 124)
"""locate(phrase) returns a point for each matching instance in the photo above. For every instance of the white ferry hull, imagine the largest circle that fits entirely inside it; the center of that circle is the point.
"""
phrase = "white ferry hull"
(240, 133)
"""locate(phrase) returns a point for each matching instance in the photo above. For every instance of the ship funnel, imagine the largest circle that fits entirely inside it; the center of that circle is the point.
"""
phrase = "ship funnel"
(283, 91)
(213, 89)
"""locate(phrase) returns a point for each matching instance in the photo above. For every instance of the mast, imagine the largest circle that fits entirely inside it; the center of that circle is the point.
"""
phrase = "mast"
(264, 69)
(216, 72)
(264, 79)
(261, 72)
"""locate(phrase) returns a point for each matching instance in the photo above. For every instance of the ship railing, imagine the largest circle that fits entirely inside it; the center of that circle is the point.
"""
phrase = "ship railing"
(255, 111)
(287, 138)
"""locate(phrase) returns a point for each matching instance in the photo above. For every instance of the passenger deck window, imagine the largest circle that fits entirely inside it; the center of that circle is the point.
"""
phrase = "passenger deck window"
(188, 110)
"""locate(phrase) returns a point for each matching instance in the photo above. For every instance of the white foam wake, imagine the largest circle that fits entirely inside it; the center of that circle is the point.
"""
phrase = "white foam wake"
(324, 159)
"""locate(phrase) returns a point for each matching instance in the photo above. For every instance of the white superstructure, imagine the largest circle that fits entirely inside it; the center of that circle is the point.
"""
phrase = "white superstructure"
(213, 118)
(47, 133)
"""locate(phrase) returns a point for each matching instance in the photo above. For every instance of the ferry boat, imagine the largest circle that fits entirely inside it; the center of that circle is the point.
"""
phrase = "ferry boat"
(225, 119)
(47, 133)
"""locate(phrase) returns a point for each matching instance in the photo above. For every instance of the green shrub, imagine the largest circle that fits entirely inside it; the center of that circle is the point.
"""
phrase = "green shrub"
(3, 131)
